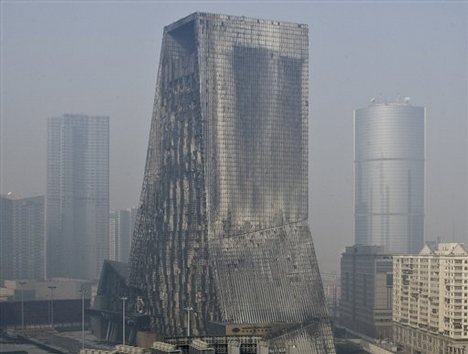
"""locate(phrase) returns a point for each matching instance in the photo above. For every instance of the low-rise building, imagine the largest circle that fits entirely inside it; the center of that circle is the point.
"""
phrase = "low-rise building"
(162, 348)
(430, 306)
(199, 346)
(366, 291)
(57, 289)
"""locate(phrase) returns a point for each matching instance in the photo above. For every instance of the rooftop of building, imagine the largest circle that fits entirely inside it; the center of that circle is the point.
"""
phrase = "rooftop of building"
(119, 268)
(163, 346)
(15, 196)
(399, 101)
(443, 249)
(365, 250)
(197, 14)
(199, 344)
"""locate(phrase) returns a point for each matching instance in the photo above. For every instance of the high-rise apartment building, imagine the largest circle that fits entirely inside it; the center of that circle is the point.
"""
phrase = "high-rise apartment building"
(430, 300)
(22, 240)
(121, 223)
(113, 236)
(77, 195)
(366, 291)
(389, 143)
(222, 225)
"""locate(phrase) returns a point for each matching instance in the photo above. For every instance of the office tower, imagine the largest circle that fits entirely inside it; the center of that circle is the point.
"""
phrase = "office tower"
(389, 155)
(77, 195)
(222, 226)
(366, 291)
(22, 240)
(430, 310)
(121, 223)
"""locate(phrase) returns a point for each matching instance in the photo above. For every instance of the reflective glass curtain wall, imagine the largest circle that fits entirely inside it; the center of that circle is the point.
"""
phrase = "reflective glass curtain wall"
(389, 142)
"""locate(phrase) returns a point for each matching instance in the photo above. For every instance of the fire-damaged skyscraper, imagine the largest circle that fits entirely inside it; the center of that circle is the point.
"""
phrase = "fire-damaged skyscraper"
(222, 224)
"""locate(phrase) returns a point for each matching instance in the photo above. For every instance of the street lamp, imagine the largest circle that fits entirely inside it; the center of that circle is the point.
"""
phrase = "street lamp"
(188, 309)
(123, 298)
(22, 283)
(52, 288)
(83, 293)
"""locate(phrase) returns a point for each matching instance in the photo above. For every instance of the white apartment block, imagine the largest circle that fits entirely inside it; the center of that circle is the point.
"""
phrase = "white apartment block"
(430, 300)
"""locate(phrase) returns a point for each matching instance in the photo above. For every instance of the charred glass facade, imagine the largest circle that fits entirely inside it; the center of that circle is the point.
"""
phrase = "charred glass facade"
(222, 222)
(389, 176)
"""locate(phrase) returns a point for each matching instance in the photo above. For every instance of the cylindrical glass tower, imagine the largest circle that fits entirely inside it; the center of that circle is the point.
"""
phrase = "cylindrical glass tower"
(389, 152)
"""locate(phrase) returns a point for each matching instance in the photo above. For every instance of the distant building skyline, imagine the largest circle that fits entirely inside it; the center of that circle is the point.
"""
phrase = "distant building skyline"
(77, 195)
(360, 49)
(389, 170)
(22, 237)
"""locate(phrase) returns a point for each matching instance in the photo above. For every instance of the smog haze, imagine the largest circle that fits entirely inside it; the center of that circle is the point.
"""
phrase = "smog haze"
(101, 58)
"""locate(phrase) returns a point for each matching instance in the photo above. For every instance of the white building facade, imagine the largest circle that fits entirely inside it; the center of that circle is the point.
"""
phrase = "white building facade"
(430, 300)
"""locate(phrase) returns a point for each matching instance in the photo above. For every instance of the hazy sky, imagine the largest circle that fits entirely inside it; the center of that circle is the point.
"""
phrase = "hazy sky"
(100, 58)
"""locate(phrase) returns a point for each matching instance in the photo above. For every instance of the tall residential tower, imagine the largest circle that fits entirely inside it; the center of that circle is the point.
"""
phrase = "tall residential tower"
(121, 223)
(222, 225)
(389, 151)
(22, 241)
(77, 195)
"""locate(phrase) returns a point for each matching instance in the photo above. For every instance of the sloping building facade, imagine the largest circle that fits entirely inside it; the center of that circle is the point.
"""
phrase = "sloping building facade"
(222, 224)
